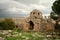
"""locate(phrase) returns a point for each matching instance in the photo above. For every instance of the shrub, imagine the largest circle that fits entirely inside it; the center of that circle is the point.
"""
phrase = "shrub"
(7, 24)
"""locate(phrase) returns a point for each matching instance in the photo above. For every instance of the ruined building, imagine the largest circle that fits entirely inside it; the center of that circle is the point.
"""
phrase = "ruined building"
(33, 22)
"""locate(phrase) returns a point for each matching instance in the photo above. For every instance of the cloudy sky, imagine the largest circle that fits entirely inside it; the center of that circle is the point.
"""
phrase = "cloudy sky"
(17, 8)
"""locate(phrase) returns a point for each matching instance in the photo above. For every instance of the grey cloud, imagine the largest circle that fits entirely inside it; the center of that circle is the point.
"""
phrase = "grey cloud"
(4, 9)
(5, 14)
(28, 1)
(4, 6)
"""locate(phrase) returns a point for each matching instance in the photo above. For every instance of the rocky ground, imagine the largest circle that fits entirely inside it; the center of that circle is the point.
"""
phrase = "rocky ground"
(15, 35)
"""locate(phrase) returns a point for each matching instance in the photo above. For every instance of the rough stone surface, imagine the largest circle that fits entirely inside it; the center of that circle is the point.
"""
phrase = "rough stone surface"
(35, 22)
(1, 38)
(36, 18)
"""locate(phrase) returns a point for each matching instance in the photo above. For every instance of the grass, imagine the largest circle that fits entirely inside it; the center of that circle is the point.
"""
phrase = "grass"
(27, 36)
(22, 35)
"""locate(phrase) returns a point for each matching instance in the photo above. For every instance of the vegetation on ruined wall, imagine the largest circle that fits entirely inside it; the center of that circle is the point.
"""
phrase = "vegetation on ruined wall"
(7, 24)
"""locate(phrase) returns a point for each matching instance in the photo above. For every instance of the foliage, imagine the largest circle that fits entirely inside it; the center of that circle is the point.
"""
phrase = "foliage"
(56, 7)
(56, 11)
(53, 15)
(7, 24)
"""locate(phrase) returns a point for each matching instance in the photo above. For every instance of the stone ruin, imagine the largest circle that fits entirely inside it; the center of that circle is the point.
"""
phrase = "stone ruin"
(34, 22)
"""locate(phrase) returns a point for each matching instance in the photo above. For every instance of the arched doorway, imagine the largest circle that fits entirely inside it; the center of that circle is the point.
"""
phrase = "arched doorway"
(31, 25)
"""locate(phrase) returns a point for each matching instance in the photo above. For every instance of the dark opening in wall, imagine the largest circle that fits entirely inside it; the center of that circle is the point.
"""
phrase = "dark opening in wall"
(33, 12)
(31, 25)
(38, 14)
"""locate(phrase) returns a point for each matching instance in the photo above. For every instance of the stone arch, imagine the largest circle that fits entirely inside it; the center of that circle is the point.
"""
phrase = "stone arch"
(31, 25)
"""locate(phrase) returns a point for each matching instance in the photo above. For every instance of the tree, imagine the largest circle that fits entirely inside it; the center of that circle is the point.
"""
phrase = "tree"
(56, 11)
(53, 15)
(56, 7)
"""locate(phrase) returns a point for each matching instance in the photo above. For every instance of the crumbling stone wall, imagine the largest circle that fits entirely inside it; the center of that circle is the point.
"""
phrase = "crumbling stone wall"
(35, 17)
(35, 22)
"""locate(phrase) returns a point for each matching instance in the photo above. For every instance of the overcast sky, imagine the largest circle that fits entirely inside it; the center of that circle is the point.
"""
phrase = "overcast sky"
(17, 8)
